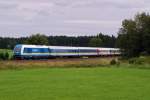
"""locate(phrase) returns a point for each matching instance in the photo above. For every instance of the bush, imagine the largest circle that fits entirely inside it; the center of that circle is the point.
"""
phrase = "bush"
(1, 56)
(136, 61)
(4, 56)
(132, 61)
(113, 62)
(139, 61)
(7, 55)
(144, 53)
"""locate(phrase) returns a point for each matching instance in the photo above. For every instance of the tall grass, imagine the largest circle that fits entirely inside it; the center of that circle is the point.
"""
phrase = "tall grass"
(60, 62)
(70, 63)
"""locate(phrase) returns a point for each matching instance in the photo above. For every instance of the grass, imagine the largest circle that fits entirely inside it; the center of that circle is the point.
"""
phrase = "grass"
(75, 79)
(75, 84)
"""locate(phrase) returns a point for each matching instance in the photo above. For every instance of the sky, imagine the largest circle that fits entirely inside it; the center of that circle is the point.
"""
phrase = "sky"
(20, 18)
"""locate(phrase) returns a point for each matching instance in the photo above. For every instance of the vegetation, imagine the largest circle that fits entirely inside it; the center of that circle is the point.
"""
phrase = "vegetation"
(6, 54)
(113, 62)
(83, 41)
(134, 36)
(142, 62)
(95, 42)
(37, 39)
(53, 63)
(73, 79)
(75, 84)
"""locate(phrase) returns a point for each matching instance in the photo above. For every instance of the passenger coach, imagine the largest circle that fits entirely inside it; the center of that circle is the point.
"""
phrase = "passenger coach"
(39, 51)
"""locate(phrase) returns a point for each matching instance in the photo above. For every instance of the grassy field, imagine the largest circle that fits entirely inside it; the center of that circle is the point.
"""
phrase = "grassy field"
(75, 79)
(75, 84)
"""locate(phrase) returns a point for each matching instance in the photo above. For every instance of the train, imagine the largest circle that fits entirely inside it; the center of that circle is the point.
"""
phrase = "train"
(23, 51)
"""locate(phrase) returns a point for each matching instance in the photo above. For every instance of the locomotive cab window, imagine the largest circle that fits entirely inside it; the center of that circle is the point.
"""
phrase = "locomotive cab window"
(17, 49)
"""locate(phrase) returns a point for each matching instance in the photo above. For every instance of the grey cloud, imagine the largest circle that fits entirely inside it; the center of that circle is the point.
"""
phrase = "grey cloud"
(66, 17)
(112, 3)
(6, 6)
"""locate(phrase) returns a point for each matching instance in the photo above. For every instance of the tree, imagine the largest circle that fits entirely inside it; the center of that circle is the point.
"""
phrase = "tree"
(37, 39)
(134, 36)
(143, 25)
(130, 38)
(95, 42)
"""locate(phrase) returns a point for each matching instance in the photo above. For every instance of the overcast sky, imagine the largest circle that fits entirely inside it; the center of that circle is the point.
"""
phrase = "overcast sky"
(66, 17)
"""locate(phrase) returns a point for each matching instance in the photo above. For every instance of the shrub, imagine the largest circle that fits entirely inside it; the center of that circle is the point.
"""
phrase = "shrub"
(4, 56)
(144, 53)
(132, 61)
(113, 62)
(136, 61)
(7, 55)
(139, 61)
(1, 56)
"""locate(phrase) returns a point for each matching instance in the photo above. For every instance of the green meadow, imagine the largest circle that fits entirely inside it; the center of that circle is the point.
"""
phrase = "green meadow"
(100, 83)
(75, 79)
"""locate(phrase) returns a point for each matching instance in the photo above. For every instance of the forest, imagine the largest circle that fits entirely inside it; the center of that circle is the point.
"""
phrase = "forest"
(39, 39)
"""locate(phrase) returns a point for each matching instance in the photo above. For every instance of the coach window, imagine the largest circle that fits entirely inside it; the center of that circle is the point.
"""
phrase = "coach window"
(27, 50)
(44, 50)
(36, 50)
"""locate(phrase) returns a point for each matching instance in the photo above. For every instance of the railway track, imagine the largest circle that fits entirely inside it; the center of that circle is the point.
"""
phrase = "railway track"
(66, 59)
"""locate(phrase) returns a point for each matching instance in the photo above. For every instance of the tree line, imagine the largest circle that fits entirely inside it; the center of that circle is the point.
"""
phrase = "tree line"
(39, 39)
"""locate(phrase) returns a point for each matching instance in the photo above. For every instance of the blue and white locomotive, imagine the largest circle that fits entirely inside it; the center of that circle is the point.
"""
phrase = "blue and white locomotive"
(42, 51)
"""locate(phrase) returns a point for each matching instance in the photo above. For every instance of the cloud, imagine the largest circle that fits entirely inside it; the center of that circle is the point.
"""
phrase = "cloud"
(66, 17)
(93, 22)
